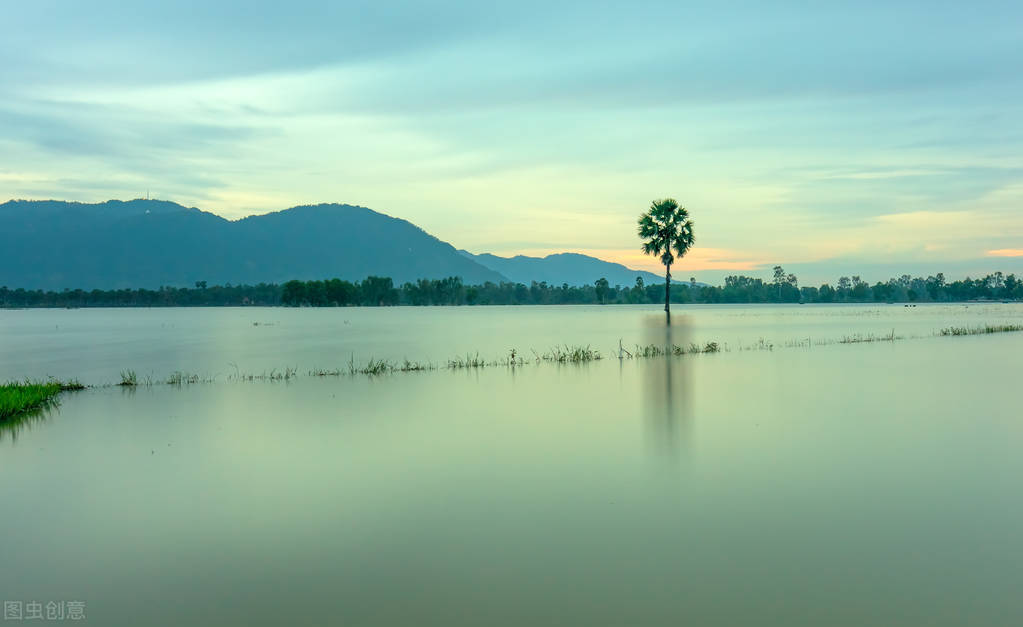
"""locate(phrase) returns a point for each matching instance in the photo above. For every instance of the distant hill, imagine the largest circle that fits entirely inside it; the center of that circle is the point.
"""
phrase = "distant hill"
(52, 245)
(148, 243)
(560, 268)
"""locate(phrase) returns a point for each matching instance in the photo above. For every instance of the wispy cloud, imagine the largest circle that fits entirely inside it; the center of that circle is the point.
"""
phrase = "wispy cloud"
(1006, 252)
(539, 126)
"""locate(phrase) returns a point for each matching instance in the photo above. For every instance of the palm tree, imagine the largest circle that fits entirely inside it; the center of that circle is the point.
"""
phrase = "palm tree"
(668, 232)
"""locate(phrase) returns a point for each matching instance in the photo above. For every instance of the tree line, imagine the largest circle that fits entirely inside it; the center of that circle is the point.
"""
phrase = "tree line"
(785, 288)
(381, 291)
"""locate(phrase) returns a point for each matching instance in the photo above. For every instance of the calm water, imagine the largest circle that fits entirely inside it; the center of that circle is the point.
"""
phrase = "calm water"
(864, 484)
(95, 345)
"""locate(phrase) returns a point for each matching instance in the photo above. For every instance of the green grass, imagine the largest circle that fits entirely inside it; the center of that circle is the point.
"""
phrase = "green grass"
(571, 355)
(18, 398)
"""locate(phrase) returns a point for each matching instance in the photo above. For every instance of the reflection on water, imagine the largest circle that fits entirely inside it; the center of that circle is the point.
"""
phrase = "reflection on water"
(11, 427)
(667, 384)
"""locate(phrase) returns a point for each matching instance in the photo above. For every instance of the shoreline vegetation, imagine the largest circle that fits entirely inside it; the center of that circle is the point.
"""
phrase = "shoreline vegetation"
(376, 291)
(18, 399)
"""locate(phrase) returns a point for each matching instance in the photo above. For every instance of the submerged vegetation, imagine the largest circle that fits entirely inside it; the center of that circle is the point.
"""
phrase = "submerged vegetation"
(561, 355)
(570, 355)
(981, 330)
(18, 398)
(653, 350)
(859, 338)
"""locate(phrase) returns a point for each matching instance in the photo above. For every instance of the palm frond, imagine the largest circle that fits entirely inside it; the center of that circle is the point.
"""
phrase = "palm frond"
(667, 229)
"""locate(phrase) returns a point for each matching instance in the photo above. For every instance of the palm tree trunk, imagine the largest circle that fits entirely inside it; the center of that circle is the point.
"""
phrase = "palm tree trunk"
(667, 289)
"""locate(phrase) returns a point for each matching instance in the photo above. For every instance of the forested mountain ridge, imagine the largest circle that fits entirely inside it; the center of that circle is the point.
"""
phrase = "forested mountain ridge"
(149, 243)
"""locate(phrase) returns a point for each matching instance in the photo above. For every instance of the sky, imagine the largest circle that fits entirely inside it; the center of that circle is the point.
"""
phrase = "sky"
(869, 138)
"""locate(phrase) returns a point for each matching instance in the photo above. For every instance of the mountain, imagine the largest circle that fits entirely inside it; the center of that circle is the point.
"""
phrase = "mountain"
(148, 243)
(571, 268)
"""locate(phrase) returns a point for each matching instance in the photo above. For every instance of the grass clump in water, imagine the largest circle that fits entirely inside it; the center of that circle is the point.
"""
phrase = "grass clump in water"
(182, 378)
(374, 367)
(18, 398)
(469, 361)
(274, 375)
(869, 337)
(129, 378)
(571, 355)
(981, 330)
(414, 366)
(377, 367)
(653, 350)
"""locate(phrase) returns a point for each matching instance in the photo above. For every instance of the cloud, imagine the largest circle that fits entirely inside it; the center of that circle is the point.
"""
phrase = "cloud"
(537, 126)
(1006, 252)
(697, 259)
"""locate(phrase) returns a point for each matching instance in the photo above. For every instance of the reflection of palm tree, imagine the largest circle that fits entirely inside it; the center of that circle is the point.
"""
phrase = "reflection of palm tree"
(668, 231)
(667, 395)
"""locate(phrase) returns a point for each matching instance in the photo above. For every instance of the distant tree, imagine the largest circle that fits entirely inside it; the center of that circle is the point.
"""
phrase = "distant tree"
(808, 294)
(882, 292)
(936, 286)
(638, 292)
(294, 293)
(844, 286)
(377, 291)
(779, 275)
(668, 231)
(340, 292)
(860, 290)
(602, 288)
(1012, 285)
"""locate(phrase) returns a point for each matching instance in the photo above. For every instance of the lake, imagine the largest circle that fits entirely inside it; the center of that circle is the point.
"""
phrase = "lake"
(790, 479)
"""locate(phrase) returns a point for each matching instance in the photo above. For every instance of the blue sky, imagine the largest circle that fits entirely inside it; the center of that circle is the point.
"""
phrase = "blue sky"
(858, 138)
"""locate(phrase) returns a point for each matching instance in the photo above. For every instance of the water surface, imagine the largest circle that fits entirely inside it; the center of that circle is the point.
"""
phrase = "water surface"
(863, 484)
(95, 345)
